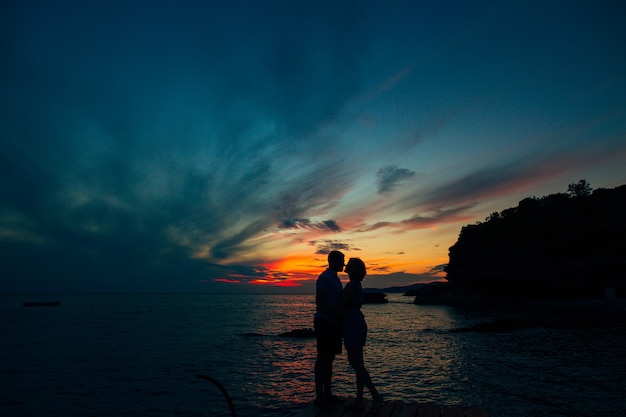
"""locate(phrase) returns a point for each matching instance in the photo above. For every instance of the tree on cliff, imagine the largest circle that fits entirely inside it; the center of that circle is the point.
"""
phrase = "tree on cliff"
(550, 246)
(580, 189)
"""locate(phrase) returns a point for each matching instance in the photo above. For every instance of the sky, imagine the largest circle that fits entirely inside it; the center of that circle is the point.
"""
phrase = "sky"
(229, 146)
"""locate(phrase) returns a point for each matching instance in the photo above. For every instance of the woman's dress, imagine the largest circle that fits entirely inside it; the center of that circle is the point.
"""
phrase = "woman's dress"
(353, 325)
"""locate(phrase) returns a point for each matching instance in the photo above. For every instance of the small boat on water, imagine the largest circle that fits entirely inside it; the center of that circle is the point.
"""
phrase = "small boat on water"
(41, 303)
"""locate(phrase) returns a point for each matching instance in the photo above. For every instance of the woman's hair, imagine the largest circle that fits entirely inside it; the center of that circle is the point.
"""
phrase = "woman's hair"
(356, 269)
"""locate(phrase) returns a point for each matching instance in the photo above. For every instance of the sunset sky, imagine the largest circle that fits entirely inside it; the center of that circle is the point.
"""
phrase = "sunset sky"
(228, 146)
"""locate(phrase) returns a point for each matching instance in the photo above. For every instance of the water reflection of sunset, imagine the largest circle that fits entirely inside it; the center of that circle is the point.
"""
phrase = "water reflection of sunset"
(408, 352)
(293, 371)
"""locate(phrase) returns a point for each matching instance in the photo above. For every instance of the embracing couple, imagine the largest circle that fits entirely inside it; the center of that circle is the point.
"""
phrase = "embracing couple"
(338, 315)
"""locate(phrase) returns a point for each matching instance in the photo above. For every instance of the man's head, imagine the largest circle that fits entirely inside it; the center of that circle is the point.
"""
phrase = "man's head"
(336, 260)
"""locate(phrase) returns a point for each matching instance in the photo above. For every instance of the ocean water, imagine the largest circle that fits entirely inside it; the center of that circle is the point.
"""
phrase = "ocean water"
(140, 354)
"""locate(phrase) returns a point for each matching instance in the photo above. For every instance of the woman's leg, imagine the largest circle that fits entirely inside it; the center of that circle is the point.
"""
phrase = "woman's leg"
(355, 358)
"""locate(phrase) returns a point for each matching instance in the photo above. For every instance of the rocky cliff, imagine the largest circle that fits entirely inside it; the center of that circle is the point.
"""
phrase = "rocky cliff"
(557, 246)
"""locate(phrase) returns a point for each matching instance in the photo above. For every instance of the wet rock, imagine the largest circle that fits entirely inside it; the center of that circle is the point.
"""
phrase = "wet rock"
(299, 333)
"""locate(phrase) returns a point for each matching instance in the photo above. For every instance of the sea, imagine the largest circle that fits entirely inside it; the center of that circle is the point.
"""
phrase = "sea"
(142, 354)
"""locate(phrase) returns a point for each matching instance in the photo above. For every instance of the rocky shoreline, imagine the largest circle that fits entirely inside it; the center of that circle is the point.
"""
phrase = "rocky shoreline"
(520, 313)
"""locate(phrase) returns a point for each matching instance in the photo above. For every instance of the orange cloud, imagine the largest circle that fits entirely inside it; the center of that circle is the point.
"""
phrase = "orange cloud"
(281, 283)
(227, 280)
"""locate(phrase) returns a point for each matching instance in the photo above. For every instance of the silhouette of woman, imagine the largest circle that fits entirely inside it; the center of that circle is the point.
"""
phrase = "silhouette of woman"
(354, 329)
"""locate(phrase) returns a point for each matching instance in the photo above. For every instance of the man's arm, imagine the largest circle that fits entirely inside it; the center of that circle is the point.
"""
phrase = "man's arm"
(320, 301)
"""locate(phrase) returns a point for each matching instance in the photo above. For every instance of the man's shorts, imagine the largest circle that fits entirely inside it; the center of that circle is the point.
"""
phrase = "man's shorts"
(328, 337)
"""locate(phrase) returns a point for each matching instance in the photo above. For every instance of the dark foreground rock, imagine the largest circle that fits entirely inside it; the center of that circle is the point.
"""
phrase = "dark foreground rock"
(555, 315)
(447, 294)
(510, 325)
(376, 297)
(299, 333)
(434, 293)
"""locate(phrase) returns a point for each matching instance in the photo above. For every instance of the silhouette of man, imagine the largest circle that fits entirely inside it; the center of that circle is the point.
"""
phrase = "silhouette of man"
(327, 324)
